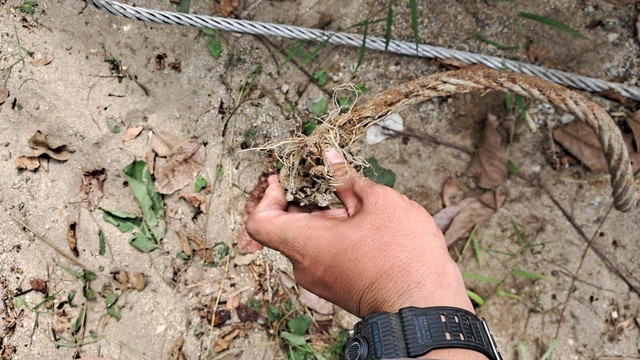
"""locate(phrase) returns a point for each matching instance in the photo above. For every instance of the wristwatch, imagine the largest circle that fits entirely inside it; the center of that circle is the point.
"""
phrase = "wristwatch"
(413, 332)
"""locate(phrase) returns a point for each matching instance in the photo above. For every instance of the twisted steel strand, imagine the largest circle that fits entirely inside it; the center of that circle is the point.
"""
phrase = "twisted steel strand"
(355, 40)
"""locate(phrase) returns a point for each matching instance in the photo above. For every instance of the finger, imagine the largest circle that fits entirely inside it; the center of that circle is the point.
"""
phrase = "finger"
(345, 181)
(273, 205)
(333, 214)
(274, 197)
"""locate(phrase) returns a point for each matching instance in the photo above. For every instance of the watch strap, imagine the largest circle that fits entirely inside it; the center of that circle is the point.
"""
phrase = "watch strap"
(413, 332)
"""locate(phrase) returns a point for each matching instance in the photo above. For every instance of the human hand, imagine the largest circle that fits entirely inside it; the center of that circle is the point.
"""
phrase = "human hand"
(381, 252)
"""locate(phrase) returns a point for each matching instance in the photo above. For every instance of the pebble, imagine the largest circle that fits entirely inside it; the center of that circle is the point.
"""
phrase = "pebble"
(614, 314)
(567, 118)
(612, 37)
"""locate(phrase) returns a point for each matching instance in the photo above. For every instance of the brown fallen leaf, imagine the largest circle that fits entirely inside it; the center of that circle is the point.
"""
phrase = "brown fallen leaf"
(489, 165)
(72, 240)
(137, 281)
(246, 245)
(228, 6)
(39, 285)
(42, 59)
(91, 186)
(581, 141)
(132, 133)
(224, 340)
(164, 144)
(182, 166)
(184, 243)
(457, 219)
(44, 163)
(198, 201)
(246, 314)
(451, 191)
(4, 94)
(27, 162)
(41, 146)
(150, 159)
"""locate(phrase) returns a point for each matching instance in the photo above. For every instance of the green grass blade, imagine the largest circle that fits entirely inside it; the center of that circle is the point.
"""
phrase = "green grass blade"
(519, 236)
(552, 346)
(552, 22)
(387, 32)
(508, 101)
(414, 22)
(183, 6)
(487, 279)
(522, 106)
(522, 351)
(508, 295)
(495, 44)
(476, 246)
(475, 298)
(363, 47)
(526, 274)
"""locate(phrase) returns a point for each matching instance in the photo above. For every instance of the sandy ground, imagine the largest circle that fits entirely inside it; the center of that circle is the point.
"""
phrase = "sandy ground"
(75, 100)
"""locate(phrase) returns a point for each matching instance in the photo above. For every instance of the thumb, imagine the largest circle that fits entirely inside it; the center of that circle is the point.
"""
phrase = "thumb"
(260, 224)
(345, 180)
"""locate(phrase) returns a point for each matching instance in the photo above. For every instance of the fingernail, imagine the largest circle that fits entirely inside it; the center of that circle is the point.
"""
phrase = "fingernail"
(334, 156)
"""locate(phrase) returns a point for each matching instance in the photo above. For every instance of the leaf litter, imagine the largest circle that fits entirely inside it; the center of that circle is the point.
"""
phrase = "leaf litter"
(184, 161)
(91, 186)
(4, 94)
(579, 140)
(41, 151)
(489, 165)
(132, 133)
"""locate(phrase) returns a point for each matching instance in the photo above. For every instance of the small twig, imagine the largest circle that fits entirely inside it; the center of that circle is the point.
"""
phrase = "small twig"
(45, 240)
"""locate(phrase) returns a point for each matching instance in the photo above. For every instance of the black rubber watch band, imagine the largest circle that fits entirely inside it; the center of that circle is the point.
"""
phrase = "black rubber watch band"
(413, 332)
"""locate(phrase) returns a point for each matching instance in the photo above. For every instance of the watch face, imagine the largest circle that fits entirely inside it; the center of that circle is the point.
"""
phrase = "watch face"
(356, 349)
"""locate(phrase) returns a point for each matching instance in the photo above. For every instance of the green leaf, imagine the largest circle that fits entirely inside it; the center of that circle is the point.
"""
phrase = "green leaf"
(519, 236)
(495, 44)
(89, 275)
(215, 48)
(414, 22)
(319, 108)
(183, 6)
(143, 242)
(200, 184)
(87, 292)
(219, 251)
(299, 325)
(183, 255)
(148, 198)
(111, 298)
(512, 167)
(114, 311)
(70, 296)
(321, 76)
(293, 339)
(77, 325)
(379, 174)
(552, 346)
(345, 104)
(507, 295)
(552, 22)
(102, 243)
(360, 89)
(28, 7)
(309, 126)
(219, 174)
(113, 126)
(526, 274)
(274, 313)
(209, 32)
(387, 30)
(123, 221)
(522, 106)
(363, 47)
(487, 279)
(475, 298)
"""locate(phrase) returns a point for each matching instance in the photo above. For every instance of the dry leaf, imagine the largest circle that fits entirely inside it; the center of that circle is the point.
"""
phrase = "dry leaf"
(41, 146)
(72, 239)
(198, 201)
(183, 165)
(246, 314)
(634, 123)
(314, 302)
(451, 191)
(150, 159)
(42, 59)
(489, 165)
(44, 163)
(164, 144)
(4, 94)
(581, 141)
(184, 243)
(459, 218)
(137, 281)
(132, 133)
(246, 245)
(91, 186)
(27, 162)
(224, 340)
(38, 285)
(228, 6)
